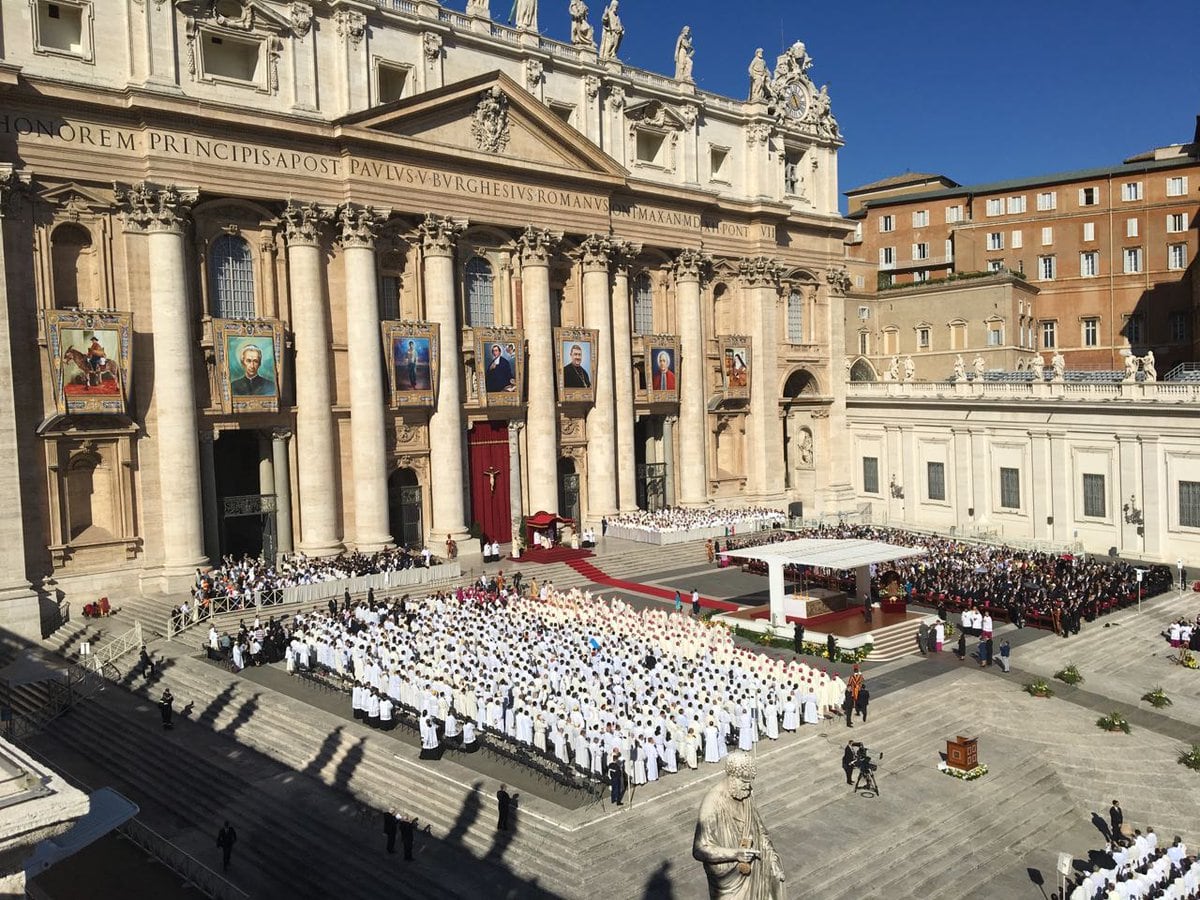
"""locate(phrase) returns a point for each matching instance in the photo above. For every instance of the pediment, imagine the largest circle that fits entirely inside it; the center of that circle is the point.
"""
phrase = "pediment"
(492, 117)
(75, 195)
(656, 114)
(248, 16)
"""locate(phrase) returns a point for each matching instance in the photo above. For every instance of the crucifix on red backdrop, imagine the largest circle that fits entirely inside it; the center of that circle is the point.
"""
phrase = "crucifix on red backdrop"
(491, 474)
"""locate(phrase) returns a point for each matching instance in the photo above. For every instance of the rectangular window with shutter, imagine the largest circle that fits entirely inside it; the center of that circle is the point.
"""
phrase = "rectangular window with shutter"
(870, 475)
(1093, 496)
(1189, 504)
(936, 477)
(1010, 488)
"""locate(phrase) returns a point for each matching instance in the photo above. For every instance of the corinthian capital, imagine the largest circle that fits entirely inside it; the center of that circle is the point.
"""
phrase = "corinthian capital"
(691, 265)
(624, 253)
(596, 251)
(302, 222)
(536, 245)
(13, 185)
(359, 225)
(148, 208)
(438, 234)
(759, 271)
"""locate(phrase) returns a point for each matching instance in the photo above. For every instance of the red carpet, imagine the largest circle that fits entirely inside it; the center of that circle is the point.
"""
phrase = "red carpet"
(599, 577)
(554, 554)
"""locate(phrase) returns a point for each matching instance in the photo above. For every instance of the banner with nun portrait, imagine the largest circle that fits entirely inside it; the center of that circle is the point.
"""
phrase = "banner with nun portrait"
(735, 365)
(89, 360)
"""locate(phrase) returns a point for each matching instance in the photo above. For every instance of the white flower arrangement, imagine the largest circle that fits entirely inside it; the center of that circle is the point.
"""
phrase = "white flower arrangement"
(963, 774)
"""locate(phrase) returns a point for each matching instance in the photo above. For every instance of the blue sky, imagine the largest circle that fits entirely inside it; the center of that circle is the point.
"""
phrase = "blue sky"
(976, 91)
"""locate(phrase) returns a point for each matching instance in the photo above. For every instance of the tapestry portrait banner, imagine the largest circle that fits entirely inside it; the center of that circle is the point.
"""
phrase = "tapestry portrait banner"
(500, 365)
(249, 357)
(735, 365)
(414, 355)
(578, 357)
(90, 354)
(662, 367)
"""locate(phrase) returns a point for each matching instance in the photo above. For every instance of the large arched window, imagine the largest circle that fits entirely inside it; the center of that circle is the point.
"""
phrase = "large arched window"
(643, 305)
(479, 283)
(231, 269)
(795, 317)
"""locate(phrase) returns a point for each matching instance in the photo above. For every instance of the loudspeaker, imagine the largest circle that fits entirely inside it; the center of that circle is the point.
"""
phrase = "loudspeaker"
(1049, 520)
(971, 511)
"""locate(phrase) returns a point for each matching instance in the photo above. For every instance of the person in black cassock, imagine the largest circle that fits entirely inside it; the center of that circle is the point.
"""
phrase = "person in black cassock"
(831, 646)
(616, 778)
(798, 638)
(408, 825)
(848, 761)
(389, 829)
(226, 838)
(504, 802)
(164, 707)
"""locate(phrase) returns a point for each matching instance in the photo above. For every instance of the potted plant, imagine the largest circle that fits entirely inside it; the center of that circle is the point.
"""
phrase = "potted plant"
(1157, 698)
(1191, 757)
(1039, 687)
(1070, 674)
(1114, 721)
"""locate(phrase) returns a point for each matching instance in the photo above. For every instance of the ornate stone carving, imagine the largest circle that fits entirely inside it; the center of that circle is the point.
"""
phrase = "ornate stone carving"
(149, 208)
(533, 73)
(691, 265)
(406, 434)
(569, 427)
(581, 28)
(759, 271)
(822, 116)
(438, 233)
(489, 123)
(689, 114)
(616, 97)
(526, 14)
(360, 224)
(596, 251)
(13, 186)
(611, 32)
(302, 222)
(301, 15)
(350, 24)
(758, 133)
(537, 245)
(624, 253)
(274, 51)
(838, 279)
(281, 434)
(479, 8)
(683, 55)
(433, 46)
(591, 84)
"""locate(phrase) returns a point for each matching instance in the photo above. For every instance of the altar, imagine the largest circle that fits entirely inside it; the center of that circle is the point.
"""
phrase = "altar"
(857, 556)
(814, 602)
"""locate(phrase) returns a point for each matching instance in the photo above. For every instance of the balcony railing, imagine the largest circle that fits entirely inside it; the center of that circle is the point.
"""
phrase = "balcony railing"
(1160, 392)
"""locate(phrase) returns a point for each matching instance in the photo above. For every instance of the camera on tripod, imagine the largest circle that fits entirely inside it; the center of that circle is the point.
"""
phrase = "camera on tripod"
(863, 759)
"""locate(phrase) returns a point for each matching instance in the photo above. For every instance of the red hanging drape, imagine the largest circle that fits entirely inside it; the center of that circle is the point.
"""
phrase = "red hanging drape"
(487, 444)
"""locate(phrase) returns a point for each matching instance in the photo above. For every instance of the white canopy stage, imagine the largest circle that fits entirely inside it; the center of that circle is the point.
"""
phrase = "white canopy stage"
(820, 553)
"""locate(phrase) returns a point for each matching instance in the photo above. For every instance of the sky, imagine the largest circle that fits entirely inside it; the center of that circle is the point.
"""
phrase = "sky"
(973, 90)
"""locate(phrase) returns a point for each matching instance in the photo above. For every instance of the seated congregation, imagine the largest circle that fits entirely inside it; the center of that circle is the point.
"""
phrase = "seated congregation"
(676, 518)
(1134, 866)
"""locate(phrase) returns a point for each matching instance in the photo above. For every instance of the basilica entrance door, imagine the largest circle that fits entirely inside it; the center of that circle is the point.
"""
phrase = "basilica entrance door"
(568, 491)
(487, 444)
(246, 511)
(404, 508)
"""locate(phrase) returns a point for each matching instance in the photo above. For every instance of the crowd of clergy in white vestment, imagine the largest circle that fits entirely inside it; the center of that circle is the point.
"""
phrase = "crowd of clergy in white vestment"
(1136, 867)
(674, 518)
(566, 674)
(242, 578)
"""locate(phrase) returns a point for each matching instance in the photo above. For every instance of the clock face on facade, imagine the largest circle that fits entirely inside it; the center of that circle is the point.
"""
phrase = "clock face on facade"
(795, 100)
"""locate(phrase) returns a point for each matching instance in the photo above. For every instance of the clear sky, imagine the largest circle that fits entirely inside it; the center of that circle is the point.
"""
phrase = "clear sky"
(978, 91)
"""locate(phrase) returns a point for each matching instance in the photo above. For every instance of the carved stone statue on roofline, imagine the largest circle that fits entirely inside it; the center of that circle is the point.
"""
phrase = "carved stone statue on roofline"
(731, 840)
(581, 28)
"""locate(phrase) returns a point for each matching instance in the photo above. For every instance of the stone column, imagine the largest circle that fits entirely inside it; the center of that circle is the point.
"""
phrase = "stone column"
(162, 213)
(515, 496)
(691, 266)
(283, 490)
(536, 246)
(316, 455)
(19, 608)
(760, 296)
(212, 506)
(447, 425)
(367, 398)
(624, 416)
(668, 444)
(266, 465)
(596, 252)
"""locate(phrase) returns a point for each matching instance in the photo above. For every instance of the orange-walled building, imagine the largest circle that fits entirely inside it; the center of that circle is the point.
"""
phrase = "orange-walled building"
(1109, 249)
